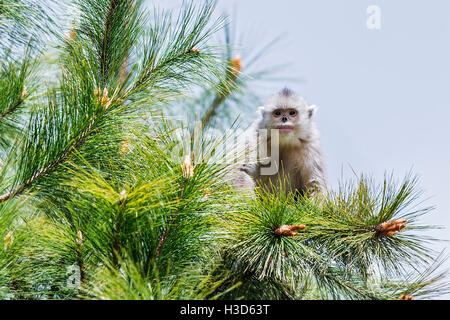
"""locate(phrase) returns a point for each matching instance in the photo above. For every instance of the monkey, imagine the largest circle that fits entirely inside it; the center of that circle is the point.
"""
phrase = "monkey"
(282, 148)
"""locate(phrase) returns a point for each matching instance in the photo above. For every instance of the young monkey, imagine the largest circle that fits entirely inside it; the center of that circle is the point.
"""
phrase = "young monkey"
(288, 152)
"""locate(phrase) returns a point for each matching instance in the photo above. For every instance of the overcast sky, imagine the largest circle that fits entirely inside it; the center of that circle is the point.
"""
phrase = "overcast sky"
(383, 95)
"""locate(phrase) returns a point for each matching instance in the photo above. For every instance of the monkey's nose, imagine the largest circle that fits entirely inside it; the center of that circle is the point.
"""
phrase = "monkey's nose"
(284, 119)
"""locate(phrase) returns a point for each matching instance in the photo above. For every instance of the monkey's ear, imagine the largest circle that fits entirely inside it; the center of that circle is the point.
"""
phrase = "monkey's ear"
(312, 110)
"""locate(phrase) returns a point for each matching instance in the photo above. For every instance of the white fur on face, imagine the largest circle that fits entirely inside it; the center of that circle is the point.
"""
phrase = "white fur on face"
(280, 101)
(302, 123)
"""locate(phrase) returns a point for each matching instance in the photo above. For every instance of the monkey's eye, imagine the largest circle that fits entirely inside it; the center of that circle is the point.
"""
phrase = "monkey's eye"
(277, 113)
(292, 113)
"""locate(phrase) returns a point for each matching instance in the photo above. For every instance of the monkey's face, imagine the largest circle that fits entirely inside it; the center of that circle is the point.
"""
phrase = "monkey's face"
(290, 115)
(292, 123)
(285, 120)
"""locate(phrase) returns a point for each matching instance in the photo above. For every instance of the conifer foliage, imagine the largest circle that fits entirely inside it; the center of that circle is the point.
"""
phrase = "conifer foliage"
(98, 200)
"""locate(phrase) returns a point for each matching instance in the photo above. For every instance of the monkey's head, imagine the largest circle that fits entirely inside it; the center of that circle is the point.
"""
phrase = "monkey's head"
(289, 114)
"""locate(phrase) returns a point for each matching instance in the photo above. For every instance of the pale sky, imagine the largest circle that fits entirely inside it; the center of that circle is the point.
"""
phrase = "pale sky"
(383, 95)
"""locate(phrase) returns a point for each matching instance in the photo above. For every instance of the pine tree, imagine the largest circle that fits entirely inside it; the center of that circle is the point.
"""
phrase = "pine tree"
(99, 201)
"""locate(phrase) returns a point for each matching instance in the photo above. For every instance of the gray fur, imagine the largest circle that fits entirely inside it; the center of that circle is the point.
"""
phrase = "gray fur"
(301, 166)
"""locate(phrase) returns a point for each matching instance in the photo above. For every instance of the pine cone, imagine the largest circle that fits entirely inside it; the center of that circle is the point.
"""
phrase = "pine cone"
(289, 230)
(123, 196)
(80, 237)
(187, 168)
(405, 297)
(236, 65)
(389, 228)
(102, 97)
(8, 240)
(124, 146)
(24, 93)
(72, 35)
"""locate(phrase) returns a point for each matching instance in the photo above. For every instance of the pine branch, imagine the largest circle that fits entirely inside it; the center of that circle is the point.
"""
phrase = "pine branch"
(168, 224)
(41, 172)
(174, 53)
(106, 34)
(75, 66)
(80, 257)
(14, 76)
(25, 23)
(160, 68)
(232, 71)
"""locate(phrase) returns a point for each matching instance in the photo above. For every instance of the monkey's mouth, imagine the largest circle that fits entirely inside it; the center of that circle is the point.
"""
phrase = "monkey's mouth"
(285, 128)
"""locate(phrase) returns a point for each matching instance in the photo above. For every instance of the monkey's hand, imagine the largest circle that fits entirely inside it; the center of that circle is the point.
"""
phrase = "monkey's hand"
(249, 169)
(244, 182)
(314, 186)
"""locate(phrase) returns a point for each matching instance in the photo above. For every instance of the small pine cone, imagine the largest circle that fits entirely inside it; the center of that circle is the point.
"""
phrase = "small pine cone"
(123, 195)
(236, 65)
(102, 97)
(124, 146)
(80, 237)
(105, 101)
(70, 36)
(24, 93)
(289, 230)
(405, 297)
(8, 240)
(187, 168)
(389, 228)
(194, 50)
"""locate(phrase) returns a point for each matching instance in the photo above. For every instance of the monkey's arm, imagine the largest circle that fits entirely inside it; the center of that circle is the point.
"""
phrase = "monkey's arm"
(242, 175)
(242, 180)
(317, 182)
